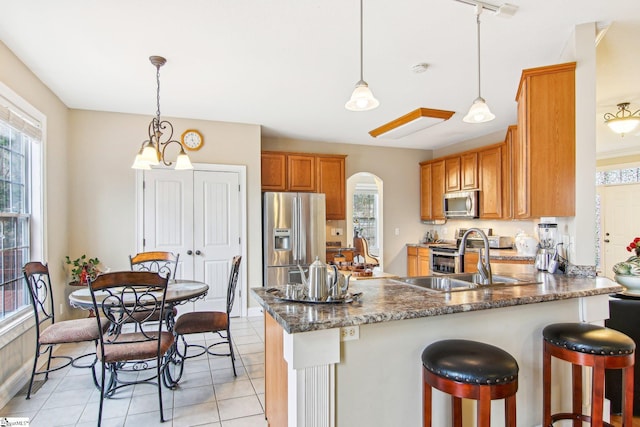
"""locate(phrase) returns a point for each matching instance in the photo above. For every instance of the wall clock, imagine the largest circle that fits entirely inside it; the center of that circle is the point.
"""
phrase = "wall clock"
(192, 139)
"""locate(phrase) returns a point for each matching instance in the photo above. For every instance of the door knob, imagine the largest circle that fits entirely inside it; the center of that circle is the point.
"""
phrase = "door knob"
(189, 252)
(606, 234)
(606, 240)
(198, 253)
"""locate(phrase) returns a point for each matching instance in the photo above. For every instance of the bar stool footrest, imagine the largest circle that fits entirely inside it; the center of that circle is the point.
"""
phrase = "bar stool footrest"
(572, 416)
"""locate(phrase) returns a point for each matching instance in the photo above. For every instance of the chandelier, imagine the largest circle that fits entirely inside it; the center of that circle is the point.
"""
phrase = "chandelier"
(623, 121)
(153, 149)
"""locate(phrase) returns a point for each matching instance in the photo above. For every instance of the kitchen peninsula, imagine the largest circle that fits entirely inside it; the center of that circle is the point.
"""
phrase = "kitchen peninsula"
(372, 375)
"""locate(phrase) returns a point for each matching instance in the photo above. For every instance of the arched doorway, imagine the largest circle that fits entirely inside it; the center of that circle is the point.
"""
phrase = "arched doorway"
(364, 211)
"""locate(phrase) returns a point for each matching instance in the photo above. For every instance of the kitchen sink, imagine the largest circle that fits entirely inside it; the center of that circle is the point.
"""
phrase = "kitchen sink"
(461, 282)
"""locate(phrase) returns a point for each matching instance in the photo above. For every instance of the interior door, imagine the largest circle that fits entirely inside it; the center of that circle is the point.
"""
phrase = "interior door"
(619, 226)
(216, 234)
(196, 214)
(168, 215)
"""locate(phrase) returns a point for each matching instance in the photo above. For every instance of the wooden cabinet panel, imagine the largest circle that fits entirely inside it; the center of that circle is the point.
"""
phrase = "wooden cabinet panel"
(490, 166)
(275, 375)
(331, 181)
(424, 262)
(301, 172)
(452, 174)
(274, 171)
(425, 192)
(412, 261)
(437, 189)
(471, 262)
(507, 172)
(469, 171)
(545, 146)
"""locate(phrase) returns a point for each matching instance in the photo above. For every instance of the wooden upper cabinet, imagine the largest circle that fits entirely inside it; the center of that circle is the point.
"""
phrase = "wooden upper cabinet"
(490, 166)
(437, 189)
(274, 171)
(507, 172)
(469, 171)
(331, 181)
(425, 192)
(452, 174)
(544, 150)
(301, 172)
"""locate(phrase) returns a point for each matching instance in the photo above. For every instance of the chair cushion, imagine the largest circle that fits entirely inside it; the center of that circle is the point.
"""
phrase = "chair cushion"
(132, 347)
(200, 322)
(588, 338)
(470, 362)
(69, 331)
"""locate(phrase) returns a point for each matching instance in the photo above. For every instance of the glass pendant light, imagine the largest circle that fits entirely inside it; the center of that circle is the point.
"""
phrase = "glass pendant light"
(362, 98)
(479, 111)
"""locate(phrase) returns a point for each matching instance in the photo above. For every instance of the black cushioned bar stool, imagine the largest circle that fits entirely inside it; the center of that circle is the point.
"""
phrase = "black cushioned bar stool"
(583, 344)
(470, 370)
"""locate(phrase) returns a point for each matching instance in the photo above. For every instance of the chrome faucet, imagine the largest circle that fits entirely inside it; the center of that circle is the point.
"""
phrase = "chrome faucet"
(484, 268)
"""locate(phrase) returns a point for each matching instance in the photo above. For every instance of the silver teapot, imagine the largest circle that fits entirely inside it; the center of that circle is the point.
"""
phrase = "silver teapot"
(340, 286)
(316, 282)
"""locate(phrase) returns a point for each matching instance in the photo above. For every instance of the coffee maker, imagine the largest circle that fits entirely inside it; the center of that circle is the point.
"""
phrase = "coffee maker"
(547, 237)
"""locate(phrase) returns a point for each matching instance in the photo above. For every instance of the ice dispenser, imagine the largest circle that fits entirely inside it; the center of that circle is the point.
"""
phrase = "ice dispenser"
(282, 239)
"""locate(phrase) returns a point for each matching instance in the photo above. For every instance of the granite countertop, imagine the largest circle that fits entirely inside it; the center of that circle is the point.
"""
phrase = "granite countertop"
(385, 300)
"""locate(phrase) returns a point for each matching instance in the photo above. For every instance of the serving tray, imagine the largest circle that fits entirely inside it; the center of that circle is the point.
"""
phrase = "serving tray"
(344, 300)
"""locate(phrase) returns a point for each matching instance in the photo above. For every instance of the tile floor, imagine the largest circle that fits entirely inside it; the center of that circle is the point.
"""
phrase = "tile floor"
(208, 394)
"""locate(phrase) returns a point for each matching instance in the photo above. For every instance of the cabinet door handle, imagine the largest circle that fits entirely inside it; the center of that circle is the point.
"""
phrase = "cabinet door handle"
(198, 253)
(606, 240)
(189, 252)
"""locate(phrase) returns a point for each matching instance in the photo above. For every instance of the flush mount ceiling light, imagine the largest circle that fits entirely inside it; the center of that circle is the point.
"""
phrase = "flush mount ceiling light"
(153, 149)
(479, 111)
(412, 122)
(624, 121)
(362, 98)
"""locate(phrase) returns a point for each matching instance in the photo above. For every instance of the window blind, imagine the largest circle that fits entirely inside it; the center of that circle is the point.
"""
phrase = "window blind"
(20, 120)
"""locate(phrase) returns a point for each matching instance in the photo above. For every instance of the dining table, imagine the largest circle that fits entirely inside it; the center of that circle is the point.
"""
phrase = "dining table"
(179, 291)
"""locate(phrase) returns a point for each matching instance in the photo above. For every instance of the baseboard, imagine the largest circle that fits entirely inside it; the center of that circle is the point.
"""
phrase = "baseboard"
(14, 383)
(254, 311)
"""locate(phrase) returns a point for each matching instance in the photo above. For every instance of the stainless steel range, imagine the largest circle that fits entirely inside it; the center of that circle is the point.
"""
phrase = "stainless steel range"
(446, 260)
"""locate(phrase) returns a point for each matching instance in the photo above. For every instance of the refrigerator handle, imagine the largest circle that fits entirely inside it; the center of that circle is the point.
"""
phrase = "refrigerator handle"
(295, 228)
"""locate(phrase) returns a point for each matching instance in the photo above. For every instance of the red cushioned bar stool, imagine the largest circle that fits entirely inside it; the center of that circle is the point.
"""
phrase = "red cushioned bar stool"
(583, 344)
(469, 370)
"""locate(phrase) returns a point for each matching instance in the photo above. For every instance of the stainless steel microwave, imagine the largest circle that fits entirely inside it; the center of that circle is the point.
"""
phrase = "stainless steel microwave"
(462, 204)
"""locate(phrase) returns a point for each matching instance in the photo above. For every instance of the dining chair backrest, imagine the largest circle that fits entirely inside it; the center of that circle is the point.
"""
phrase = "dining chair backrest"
(233, 281)
(362, 248)
(39, 283)
(125, 298)
(164, 263)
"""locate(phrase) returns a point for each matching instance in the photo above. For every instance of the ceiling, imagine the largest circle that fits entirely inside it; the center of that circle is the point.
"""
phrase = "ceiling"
(290, 65)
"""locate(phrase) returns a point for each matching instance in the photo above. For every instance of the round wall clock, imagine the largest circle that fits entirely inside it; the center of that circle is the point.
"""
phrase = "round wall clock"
(192, 139)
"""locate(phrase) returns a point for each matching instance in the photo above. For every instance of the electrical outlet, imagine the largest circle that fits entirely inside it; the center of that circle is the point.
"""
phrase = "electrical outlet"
(333, 231)
(349, 333)
(338, 231)
(397, 231)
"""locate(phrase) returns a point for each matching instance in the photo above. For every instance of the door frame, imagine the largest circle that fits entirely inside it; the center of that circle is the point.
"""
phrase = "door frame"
(241, 170)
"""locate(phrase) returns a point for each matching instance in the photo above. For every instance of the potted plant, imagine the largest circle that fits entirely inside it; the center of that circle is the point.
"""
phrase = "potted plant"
(627, 273)
(81, 269)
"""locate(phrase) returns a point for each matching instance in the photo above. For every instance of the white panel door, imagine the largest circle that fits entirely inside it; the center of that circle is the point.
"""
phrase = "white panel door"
(196, 214)
(619, 206)
(168, 215)
(216, 204)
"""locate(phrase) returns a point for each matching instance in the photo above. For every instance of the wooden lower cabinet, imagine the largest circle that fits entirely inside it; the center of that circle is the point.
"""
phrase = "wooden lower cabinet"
(275, 375)
(418, 262)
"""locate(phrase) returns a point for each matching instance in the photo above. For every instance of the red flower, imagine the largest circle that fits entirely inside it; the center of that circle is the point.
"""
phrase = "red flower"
(634, 245)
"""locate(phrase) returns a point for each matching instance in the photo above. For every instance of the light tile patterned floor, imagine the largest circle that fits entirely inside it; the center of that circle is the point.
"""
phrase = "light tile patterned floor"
(208, 394)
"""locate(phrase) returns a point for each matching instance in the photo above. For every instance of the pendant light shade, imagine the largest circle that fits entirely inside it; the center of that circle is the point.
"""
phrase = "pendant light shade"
(479, 111)
(362, 98)
(624, 121)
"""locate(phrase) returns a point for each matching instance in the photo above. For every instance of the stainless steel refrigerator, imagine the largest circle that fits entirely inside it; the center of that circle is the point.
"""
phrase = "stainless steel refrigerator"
(293, 227)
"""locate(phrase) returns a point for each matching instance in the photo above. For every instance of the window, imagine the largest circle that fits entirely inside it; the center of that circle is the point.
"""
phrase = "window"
(20, 206)
(365, 214)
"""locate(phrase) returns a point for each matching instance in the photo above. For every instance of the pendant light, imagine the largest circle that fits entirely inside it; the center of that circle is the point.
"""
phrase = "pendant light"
(362, 98)
(624, 121)
(152, 150)
(479, 111)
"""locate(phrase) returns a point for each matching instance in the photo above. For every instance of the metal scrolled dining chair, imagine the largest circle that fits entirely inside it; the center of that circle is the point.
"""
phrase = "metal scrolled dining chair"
(49, 335)
(208, 321)
(124, 299)
(163, 263)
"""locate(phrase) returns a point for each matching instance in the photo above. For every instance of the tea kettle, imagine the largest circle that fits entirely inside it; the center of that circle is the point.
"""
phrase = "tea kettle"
(317, 283)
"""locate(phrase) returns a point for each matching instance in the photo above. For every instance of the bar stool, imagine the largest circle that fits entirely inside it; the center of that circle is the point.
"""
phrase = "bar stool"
(583, 344)
(471, 370)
